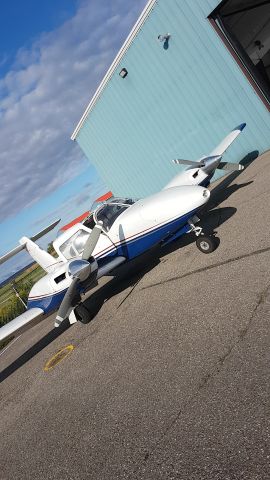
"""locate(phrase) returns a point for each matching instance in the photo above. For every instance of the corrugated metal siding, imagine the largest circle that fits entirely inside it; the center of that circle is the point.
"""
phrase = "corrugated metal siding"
(178, 102)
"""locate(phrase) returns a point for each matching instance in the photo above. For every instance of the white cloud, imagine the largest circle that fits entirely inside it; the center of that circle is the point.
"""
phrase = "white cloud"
(72, 206)
(44, 94)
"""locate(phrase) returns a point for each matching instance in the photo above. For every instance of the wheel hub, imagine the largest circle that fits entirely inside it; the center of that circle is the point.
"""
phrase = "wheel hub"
(204, 245)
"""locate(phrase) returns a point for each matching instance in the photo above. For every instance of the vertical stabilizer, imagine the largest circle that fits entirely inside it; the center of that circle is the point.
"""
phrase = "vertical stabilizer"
(43, 258)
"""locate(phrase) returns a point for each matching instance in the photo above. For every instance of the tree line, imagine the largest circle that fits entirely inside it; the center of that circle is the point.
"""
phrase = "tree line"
(13, 306)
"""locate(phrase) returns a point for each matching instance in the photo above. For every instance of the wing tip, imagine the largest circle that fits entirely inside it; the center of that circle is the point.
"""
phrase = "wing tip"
(240, 127)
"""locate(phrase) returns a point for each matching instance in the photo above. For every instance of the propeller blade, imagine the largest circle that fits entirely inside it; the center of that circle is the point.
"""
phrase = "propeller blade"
(46, 230)
(67, 301)
(230, 167)
(79, 270)
(180, 161)
(92, 241)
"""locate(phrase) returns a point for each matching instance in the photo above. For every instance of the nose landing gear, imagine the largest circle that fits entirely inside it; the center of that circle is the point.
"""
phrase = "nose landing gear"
(205, 243)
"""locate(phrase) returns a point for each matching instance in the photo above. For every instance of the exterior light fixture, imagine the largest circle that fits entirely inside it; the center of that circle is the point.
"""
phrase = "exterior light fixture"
(123, 73)
(164, 38)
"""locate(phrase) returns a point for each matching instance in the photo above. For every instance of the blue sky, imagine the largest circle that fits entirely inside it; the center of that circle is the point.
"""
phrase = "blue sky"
(53, 55)
(23, 21)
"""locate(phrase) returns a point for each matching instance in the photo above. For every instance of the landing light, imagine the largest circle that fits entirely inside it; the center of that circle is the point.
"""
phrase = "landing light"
(123, 73)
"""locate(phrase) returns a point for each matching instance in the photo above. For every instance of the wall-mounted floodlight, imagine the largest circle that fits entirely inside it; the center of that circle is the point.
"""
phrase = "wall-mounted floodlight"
(164, 38)
(123, 73)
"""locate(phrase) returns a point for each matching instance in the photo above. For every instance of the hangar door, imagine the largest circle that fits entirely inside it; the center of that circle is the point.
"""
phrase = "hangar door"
(246, 26)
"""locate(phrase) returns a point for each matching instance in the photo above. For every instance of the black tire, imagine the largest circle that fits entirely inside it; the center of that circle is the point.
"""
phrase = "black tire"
(82, 314)
(206, 244)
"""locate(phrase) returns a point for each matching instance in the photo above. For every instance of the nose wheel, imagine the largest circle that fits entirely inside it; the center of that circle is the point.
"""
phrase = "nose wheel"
(206, 244)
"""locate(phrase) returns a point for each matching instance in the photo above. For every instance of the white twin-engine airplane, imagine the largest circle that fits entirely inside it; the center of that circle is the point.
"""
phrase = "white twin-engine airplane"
(116, 232)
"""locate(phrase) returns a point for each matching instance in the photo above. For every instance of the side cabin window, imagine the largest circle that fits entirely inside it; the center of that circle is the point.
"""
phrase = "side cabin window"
(89, 222)
(74, 245)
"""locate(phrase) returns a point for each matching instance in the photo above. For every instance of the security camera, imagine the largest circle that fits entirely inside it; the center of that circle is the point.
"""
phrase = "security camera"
(163, 38)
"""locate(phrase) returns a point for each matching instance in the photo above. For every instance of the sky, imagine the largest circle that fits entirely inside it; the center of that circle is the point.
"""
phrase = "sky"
(53, 55)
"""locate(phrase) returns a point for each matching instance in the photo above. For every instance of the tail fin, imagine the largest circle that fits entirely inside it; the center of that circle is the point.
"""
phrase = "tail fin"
(44, 259)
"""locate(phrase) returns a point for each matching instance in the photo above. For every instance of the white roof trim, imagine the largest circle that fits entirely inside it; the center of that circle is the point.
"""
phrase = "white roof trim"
(114, 65)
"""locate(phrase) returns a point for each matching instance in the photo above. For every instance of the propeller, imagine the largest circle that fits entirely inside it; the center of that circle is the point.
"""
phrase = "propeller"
(92, 240)
(79, 270)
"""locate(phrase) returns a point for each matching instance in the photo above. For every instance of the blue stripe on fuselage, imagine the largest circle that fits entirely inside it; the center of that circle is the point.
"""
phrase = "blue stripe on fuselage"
(129, 249)
(48, 303)
(134, 247)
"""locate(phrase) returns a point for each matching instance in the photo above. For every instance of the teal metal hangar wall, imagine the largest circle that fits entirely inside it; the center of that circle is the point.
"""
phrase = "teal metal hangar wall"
(175, 102)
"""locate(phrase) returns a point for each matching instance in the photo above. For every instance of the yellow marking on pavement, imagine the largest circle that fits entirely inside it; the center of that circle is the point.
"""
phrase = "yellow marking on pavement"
(58, 357)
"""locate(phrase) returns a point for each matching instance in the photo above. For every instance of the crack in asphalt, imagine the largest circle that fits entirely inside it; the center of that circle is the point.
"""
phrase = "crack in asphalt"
(239, 338)
(207, 378)
(129, 293)
(209, 267)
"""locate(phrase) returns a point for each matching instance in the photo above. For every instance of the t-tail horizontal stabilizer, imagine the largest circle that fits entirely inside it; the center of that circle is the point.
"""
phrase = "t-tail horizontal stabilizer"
(43, 258)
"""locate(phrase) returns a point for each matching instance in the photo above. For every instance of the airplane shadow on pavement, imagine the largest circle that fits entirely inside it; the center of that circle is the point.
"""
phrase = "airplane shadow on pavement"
(31, 352)
(128, 275)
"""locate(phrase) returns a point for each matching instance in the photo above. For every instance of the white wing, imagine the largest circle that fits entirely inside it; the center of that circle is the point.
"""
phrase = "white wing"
(228, 140)
(22, 322)
(217, 152)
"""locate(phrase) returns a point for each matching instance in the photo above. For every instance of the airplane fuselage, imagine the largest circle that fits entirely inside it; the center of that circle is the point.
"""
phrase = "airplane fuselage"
(117, 232)
(138, 228)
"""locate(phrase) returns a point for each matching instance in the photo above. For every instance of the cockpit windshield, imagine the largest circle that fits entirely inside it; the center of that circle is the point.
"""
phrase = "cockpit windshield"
(108, 212)
(123, 201)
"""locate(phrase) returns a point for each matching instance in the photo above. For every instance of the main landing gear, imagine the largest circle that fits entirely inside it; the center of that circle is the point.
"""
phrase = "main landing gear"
(205, 243)
(82, 313)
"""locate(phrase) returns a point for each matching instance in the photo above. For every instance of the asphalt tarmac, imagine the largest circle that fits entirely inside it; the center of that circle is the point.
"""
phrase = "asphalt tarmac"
(170, 379)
